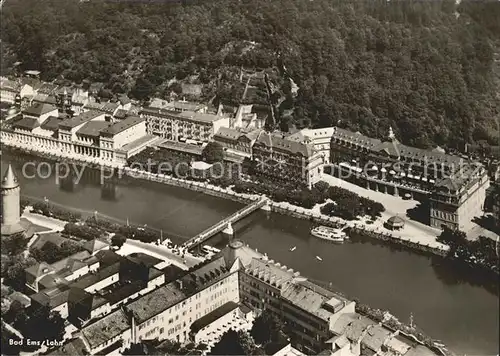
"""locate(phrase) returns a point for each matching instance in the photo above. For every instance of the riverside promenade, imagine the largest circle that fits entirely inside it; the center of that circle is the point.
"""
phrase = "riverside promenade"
(414, 233)
(418, 235)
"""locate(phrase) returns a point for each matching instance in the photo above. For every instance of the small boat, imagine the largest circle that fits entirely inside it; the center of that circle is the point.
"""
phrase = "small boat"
(329, 234)
(293, 248)
(319, 258)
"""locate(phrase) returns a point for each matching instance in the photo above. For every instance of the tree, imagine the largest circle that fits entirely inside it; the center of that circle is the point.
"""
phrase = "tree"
(136, 350)
(118, 240)
(213, 152)
(233, 343)
(142, 89)
(267, 328)
(15, 244)
(451, 237)
(41, 324)
(15, 276)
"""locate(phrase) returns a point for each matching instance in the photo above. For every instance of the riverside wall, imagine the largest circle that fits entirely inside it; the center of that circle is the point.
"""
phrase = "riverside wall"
(225, 193)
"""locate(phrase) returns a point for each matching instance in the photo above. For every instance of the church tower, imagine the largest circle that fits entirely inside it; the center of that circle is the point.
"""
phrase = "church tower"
(11, 204)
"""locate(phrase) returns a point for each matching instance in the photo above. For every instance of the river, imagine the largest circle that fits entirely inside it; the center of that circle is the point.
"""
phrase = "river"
(442, 299)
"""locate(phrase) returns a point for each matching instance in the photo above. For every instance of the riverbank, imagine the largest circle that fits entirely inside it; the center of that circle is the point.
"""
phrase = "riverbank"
(314, 214)
(412, 240)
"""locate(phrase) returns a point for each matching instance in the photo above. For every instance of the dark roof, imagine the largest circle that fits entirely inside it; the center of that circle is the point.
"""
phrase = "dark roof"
(74, 347)
(52, 123)
(121, 292)
(395, 148)
(108, 258)
(53, 297)
(106, 328)
(147, 260)
(80, 119)
(124, 100)
(121, 114)
(157, 301)
(26, 123)
(93, 128)
(99, 275)
(38, 109)
(122, 125)
(54, 237)
(48, 88)
(213, 316)
(278, 142)
(172, 273)
(95, 245)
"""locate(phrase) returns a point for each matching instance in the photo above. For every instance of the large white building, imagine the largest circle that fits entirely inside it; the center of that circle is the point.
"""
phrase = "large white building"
(319, 320)
(184, 125)
(319, 138)
(91, 136)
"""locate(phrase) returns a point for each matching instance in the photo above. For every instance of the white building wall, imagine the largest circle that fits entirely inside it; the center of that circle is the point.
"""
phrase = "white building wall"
(103, 283)
(175, 322)
(62, 309)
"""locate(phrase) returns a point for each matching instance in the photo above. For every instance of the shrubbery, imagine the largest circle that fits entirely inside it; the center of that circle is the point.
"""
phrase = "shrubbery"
(478, 253)
(51, 253)
(348, 205)
(50, 210)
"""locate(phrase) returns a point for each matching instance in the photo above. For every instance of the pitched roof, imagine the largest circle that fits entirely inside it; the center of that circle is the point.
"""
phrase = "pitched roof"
(80, 119)
(107, 108)
(106, 328)
(123, 125)
(228, 133)
(74, 347)
(39, 269)
(279, 142)
(213, 316)
(93, 128)
(27, 123)
(124, 100)
(9, 179)
(157, 301)
(95, 245)
(52, 123)
(45, 98)
(121, 114)
(147, 260)
(38, 109)
(54, 237)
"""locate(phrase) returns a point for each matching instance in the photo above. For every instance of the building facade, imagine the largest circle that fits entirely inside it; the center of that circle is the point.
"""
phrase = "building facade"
(184, 308)
(182, 126)
(319, 138)
(454, 187)
(90, 136)
(237, 141)
(278, 158)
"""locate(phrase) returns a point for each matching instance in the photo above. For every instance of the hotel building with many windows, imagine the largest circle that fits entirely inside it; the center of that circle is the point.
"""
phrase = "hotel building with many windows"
(317, 320)
(89, 136)
(182, 125)
(454, 187)
(279, 158)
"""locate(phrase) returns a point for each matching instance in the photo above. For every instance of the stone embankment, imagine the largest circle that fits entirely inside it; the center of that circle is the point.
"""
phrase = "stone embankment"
(287, 209)
(357, 228)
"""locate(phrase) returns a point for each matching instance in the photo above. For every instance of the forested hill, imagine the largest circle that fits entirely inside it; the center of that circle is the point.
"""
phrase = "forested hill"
(424, 67)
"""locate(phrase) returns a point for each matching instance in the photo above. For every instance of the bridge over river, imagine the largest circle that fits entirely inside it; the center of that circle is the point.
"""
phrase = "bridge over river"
(226, 223)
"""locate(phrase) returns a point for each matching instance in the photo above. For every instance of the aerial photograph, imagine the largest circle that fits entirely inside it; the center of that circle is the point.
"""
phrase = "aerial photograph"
(250, 177)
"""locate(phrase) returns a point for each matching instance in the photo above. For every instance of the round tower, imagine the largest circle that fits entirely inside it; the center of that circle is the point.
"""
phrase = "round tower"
(11, 204)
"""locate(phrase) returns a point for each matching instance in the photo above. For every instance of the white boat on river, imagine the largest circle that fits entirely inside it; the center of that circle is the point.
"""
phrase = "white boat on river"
(329, 234)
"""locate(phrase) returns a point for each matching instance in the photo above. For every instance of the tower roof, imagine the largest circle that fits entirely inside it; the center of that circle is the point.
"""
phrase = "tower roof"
(9, 180)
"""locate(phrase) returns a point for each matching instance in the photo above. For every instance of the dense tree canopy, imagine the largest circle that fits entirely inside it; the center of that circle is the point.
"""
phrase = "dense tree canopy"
(213, 152)
(426, 68)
